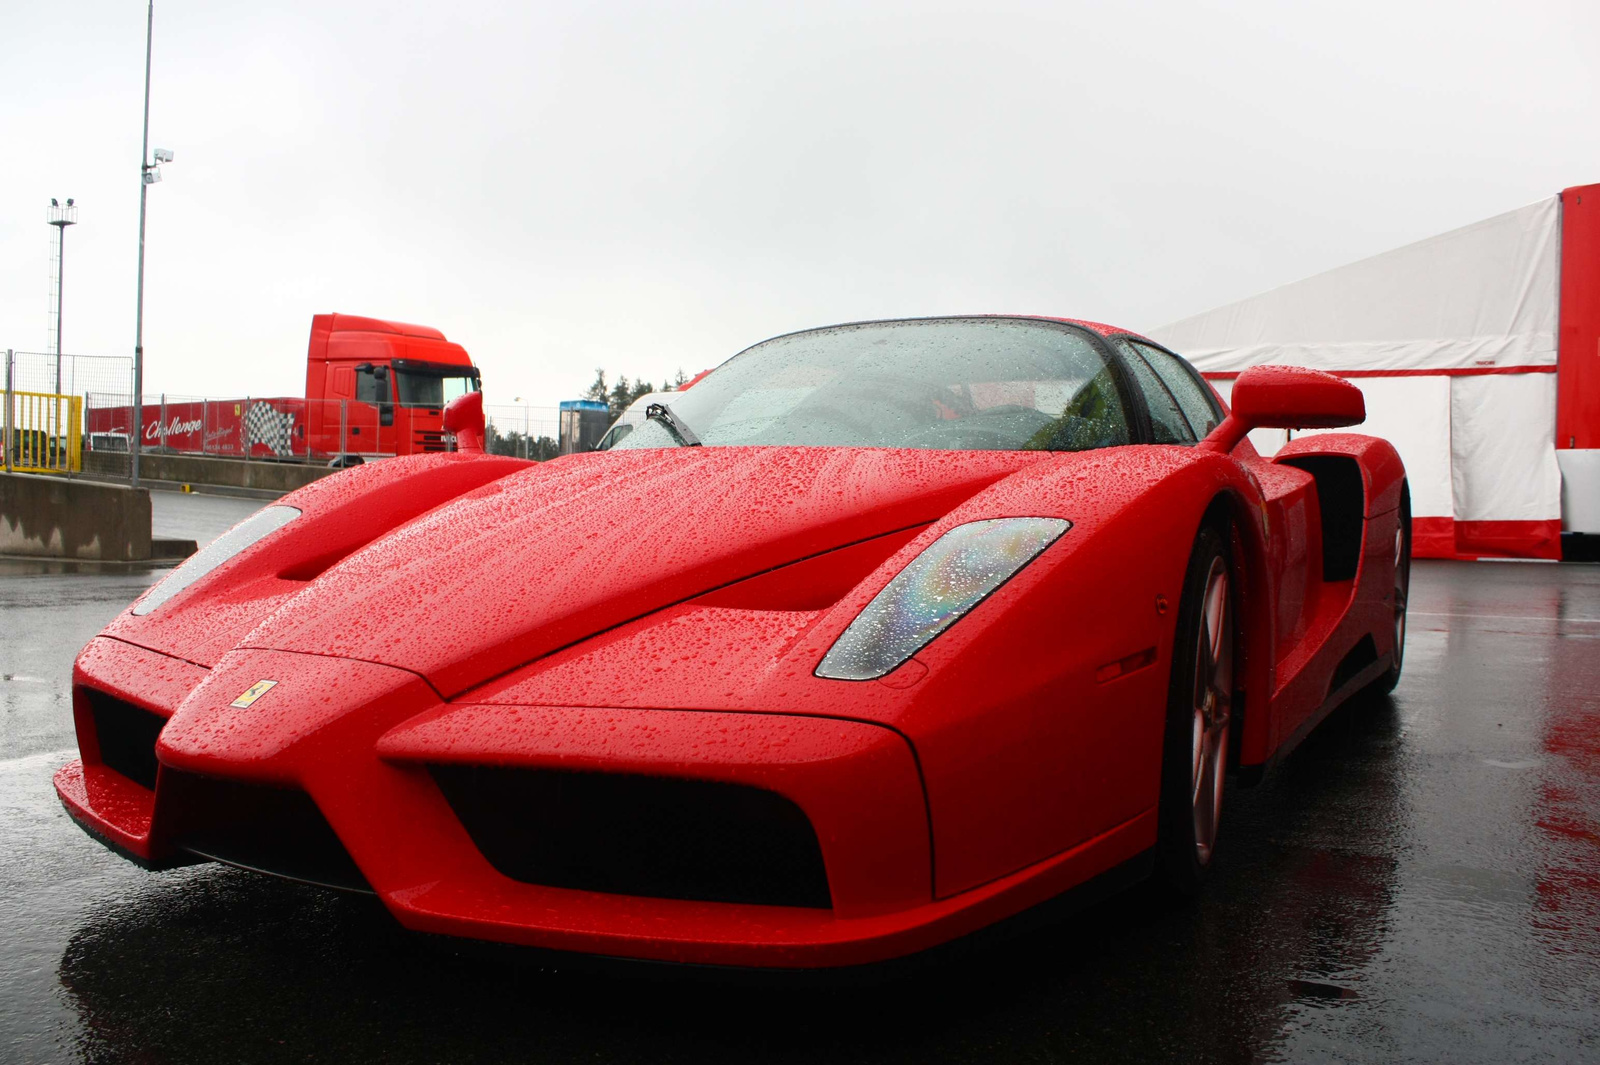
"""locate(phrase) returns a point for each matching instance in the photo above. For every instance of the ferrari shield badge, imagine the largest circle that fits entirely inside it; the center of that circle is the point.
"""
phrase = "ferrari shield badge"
(254, 692)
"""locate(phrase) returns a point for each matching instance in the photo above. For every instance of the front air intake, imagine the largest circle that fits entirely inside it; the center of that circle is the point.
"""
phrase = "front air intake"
(267, 829)
(126, 736)
(626, 834)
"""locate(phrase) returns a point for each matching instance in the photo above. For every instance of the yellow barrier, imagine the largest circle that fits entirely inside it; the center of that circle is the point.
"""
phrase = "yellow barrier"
(46, 433)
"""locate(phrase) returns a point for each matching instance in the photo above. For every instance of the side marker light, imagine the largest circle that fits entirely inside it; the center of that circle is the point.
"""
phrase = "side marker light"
(1123, 666)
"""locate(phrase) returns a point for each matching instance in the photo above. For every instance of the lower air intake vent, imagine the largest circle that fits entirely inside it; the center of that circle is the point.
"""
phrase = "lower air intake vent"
(636, 835)
(1359, 657)
(126, 735)
(270, 830)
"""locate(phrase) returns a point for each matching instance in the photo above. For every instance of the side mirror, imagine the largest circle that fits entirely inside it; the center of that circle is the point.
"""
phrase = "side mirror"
(464, 418)
(1287, 397)
(380, 377)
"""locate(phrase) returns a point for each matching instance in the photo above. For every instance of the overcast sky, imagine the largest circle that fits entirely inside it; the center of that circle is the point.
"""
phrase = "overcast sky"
(651, 187)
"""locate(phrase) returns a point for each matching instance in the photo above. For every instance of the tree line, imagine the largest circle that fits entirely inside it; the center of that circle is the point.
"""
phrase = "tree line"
(617, 396)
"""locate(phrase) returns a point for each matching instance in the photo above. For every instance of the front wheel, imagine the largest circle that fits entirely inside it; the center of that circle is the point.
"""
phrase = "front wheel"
(1194, 761)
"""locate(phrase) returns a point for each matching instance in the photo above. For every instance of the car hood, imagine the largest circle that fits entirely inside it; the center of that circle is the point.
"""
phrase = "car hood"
(551, 555)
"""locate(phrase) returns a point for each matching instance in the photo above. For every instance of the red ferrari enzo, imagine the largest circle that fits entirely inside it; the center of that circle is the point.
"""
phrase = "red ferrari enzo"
(878, 635)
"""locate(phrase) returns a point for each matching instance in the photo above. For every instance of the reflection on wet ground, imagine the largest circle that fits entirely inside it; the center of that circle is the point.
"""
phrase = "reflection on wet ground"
(1417, 882)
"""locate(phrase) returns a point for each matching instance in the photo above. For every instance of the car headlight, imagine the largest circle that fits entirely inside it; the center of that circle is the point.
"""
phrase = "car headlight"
(224, 547)
(952, 575)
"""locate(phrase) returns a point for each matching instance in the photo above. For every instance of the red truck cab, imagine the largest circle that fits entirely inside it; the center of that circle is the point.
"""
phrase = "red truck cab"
(373, 389)
(376, 388)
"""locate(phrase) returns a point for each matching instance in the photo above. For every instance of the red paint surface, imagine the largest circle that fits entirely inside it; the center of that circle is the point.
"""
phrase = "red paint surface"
(1578, 388)
(1293, 397)
(664, 612)
(464, 418)
(1285, 397)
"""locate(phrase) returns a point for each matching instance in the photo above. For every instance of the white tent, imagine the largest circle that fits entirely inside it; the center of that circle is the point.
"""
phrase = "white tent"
(1453, 342)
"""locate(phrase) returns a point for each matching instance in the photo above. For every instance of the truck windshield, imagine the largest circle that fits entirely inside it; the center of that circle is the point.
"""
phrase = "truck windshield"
(950, 384)
(431, 390)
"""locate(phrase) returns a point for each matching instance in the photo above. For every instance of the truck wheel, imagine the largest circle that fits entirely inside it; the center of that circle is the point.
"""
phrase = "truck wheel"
(1194, 763)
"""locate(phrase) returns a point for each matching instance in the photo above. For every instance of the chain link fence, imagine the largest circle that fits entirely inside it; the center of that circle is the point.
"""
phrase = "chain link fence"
(36, 423)
(99, 433)
(525, 431)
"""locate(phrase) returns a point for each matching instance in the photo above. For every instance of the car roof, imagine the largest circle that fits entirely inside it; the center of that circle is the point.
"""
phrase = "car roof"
(1097, 327)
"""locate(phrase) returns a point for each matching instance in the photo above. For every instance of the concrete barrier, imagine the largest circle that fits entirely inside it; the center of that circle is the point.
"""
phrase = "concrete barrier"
(54, 517)
(277, 477)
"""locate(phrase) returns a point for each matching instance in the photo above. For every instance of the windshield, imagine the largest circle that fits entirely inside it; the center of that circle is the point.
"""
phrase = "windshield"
(431, 390)
(615, 434)
(999, 384)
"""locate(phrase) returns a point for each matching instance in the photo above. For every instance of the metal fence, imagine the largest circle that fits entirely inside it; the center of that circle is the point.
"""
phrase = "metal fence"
(90, 427)
(522, 430)
(43, 433)
(71, 375)
(291, 429)
(268, 428)
(46, 409)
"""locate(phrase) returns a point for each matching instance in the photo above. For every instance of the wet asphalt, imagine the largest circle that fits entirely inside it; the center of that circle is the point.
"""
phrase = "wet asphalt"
(1420, 881)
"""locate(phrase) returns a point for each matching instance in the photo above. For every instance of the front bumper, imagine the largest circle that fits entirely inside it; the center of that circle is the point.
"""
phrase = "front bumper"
(364, 742)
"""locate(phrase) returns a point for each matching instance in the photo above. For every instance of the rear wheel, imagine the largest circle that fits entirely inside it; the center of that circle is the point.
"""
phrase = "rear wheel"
(1194, 762)
(1402, 589)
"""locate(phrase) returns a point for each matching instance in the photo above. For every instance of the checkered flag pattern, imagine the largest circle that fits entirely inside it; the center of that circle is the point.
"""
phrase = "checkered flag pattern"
(265, 424)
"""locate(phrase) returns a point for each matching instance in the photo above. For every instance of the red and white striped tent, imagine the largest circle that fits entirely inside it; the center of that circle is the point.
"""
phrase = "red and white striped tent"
(1478, 352)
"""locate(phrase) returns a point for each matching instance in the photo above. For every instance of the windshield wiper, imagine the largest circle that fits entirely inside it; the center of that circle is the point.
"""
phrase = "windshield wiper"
(662, 413)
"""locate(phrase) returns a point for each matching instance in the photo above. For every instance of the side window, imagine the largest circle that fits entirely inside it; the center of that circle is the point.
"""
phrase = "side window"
(1091, 414)
(1166, 420)
(367, 386)
(1190, 392)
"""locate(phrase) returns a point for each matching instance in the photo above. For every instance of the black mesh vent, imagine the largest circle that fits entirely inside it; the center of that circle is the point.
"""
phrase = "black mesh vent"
(267, 829)
(637, 835)
(126, 735)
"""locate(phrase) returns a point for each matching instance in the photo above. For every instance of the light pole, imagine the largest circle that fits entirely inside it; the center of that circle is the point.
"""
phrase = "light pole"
(149, 174)
(61, 217)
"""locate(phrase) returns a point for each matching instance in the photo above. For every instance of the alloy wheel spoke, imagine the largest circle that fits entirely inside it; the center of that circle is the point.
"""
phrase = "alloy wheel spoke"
(1213, 689)
(1216, 607)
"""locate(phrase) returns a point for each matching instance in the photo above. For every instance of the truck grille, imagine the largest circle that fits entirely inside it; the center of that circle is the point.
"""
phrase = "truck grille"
(655, 837)
(432, 441)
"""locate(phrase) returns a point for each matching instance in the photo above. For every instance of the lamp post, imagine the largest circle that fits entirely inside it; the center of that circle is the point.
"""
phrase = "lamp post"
(61, 217)
(149, 174)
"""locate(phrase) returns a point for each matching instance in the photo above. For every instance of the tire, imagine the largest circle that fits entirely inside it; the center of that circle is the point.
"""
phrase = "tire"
(1194, 757)
(1402, 591)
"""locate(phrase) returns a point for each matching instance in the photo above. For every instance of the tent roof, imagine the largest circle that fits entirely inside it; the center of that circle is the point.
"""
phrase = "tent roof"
(1482, 296)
